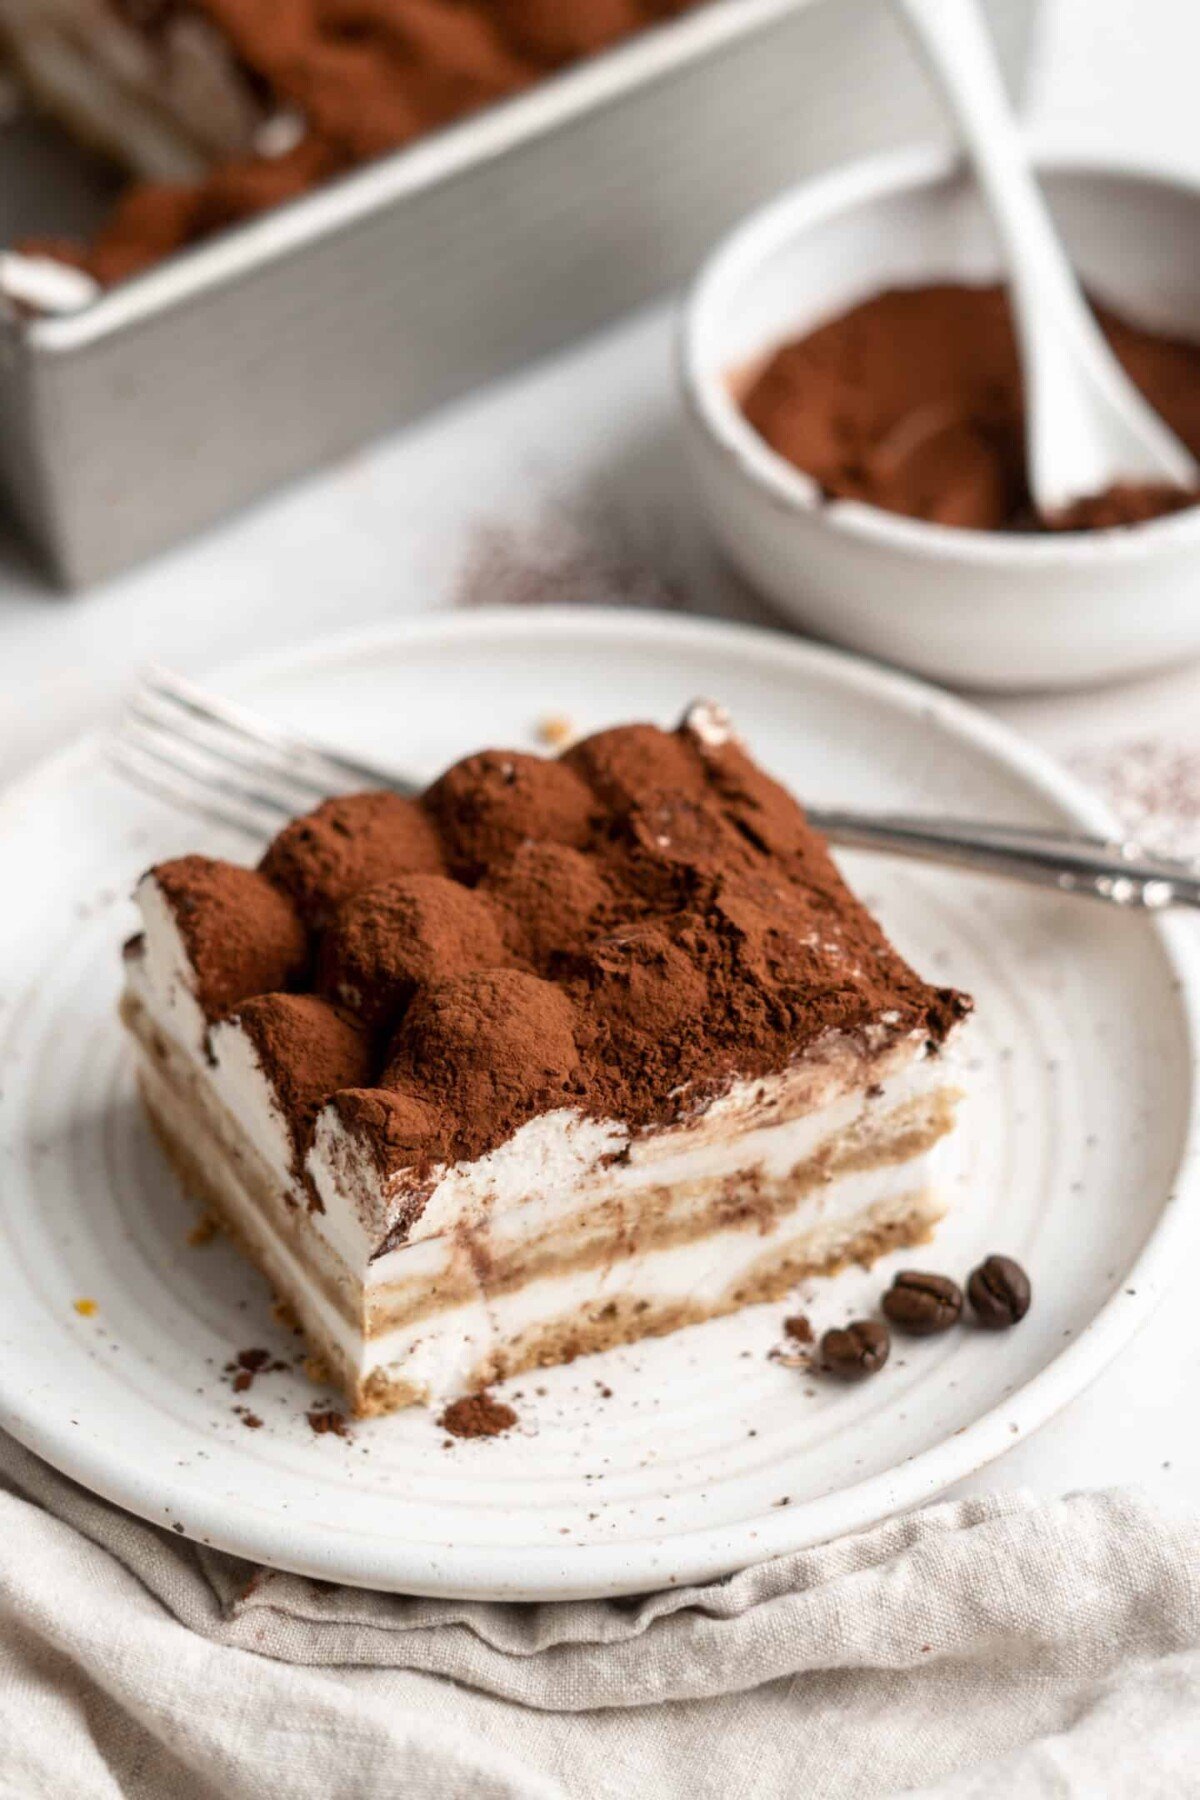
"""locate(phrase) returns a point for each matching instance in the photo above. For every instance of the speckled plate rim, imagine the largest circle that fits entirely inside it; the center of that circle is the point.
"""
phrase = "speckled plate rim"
(684, 1557)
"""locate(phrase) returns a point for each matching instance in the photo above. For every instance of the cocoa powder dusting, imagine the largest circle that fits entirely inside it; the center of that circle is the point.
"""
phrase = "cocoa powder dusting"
(404, 1131)
(390, 940)
(490, 804)
(630, 929)
(1153, 784)
(585, 551)
(309, 1050)
(489, 1051)
(912, 401)
(477, 1416)
(242, 935)
(555, 897)
(347, 845)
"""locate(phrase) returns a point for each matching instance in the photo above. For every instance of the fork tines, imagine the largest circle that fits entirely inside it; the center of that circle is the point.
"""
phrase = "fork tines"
(210, 757)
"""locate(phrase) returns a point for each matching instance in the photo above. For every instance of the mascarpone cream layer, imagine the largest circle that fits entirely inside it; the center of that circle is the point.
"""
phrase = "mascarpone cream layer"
(441, 1353)
(464, 1345)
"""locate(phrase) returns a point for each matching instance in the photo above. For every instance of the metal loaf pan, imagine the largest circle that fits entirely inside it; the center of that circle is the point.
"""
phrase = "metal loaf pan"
(284, 344)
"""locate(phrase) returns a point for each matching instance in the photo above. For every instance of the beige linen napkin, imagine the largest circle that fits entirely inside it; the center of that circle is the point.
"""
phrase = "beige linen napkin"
(983, 1649)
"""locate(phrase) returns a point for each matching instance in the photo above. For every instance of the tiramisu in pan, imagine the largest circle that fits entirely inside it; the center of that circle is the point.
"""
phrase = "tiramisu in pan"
(562, 1054)
(224, 108)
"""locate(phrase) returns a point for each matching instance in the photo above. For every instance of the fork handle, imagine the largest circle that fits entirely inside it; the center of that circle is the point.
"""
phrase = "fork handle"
(1121, 873)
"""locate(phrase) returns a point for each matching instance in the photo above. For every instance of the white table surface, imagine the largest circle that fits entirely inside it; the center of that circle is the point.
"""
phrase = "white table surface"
(582, 452)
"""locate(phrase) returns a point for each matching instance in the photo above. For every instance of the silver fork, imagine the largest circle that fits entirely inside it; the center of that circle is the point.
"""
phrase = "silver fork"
(219, 760)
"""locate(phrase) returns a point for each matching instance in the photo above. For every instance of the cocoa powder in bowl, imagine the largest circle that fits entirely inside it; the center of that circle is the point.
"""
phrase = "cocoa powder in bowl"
(912, 402)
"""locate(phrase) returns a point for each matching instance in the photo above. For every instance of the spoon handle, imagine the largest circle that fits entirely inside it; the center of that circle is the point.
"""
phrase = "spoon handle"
(1089, 427)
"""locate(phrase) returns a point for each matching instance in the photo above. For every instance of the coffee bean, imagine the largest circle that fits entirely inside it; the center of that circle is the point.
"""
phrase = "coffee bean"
(999, 1292)
(860, 1350)
(923, 1304)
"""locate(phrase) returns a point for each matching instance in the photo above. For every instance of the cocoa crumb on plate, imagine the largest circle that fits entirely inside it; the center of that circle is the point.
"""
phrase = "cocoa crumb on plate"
(325, 1419)
(476, 1416)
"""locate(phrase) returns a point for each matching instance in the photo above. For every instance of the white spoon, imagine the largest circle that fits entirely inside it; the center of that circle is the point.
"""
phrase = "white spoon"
(1088, 428)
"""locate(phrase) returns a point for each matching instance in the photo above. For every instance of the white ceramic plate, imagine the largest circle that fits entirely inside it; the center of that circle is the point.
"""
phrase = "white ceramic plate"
(700, 1455)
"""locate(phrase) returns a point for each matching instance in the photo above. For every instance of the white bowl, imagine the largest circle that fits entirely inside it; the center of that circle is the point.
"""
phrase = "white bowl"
(985, 609)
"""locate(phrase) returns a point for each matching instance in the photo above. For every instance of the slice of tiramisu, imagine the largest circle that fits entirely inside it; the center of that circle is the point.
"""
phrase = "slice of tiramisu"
(562, 1054)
